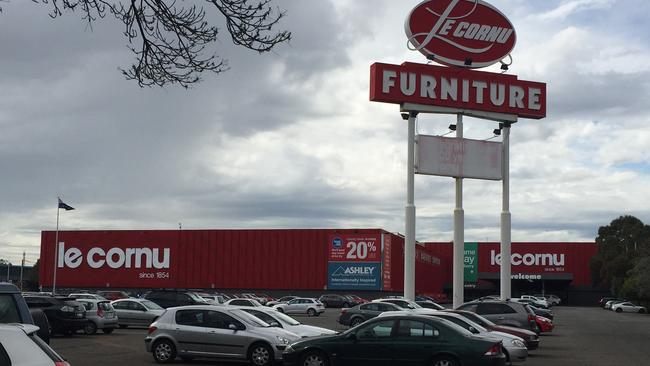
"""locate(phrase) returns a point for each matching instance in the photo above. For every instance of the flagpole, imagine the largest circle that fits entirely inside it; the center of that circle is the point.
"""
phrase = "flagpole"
(56, 246)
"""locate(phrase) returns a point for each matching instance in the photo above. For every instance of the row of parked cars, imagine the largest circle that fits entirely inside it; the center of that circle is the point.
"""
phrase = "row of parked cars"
(621, 305)
(191, 325)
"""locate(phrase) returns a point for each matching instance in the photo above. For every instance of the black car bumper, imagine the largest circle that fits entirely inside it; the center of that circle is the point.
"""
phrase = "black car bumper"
(532, 344)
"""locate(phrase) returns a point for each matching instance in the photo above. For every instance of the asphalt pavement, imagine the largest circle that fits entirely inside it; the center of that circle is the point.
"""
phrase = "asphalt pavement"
(582, 337)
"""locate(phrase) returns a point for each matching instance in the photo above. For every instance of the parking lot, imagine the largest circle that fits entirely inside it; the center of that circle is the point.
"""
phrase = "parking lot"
(582, 336)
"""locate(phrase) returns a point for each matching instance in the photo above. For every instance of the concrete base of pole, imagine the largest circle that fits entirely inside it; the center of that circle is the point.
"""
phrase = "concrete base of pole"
(458, 258)
(409, 253)
(506, 251)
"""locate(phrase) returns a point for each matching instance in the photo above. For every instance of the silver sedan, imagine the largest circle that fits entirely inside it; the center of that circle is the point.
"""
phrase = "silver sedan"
(136, 312)
(628, 307)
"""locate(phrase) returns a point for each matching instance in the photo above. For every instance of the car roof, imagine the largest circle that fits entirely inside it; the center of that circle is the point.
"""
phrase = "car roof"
(8, 288)
(26, 328)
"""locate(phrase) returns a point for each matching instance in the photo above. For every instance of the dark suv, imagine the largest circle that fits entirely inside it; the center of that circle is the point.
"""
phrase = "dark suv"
(171, 298)
(13, 309)
(66, 316)
(335, 301)
(504, 313)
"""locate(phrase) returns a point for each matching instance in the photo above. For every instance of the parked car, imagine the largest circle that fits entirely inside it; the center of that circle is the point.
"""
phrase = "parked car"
(552, 300)
(212, 298)
(136, 312)
(171, 298)
(504, 313)
(302, 305)
(66, 316)
(86, 296)
(215, 332)
(358, 314)
(628, 307)
(541, 301)
(398, 340)
(335, 301)
(282, 300)
(546, 313)
(545, 325)
(261, 300)
(100, 315)
(14, 309)
(610, 303)
(428, 304)
(604, 301)
(536, 303)
(514, 346)
(277, 319)
(530, 338)
(113, 295)
(404, 304)
(20, 346)
(243, 302)
(358, 299)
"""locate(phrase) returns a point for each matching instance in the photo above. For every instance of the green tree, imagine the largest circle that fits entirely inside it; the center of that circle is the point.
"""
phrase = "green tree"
(172, 40)
(621, 245)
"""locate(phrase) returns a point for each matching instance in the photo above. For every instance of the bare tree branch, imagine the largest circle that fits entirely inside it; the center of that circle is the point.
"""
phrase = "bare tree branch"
(171, 39)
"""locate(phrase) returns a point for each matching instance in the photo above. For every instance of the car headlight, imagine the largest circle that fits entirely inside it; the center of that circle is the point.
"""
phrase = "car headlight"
(283, 340)
(518, 343)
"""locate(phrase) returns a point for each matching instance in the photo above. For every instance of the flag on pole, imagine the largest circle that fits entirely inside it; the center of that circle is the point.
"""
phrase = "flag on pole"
(65, 206)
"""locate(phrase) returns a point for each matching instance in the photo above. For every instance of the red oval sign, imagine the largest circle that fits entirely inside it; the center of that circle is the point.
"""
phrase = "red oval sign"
(466, 33)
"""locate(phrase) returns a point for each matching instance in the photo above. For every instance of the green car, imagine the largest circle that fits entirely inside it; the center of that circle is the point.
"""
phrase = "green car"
(398, 341)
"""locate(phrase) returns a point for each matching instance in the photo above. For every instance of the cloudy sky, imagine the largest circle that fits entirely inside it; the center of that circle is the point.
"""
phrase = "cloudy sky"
(289, 139)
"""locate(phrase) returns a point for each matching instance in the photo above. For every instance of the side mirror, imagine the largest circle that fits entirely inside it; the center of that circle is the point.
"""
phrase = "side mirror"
(232, 326)
(473, 330)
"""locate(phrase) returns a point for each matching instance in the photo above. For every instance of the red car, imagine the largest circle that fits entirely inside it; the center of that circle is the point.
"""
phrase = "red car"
(545, 325)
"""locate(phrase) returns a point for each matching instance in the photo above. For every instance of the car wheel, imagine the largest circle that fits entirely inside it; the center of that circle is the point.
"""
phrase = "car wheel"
(122, 326)
(261, 355)
(314, 358)
(164, 351)
(108, 330)
(444, 361)
(90, 328)
(311, 312)
(619, 310)
(641, 311)
(355, 322)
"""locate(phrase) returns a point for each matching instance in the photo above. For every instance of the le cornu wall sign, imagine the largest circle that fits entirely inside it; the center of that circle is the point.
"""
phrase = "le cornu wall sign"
(463, 35)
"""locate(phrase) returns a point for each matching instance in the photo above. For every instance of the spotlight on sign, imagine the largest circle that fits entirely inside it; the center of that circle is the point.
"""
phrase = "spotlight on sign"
(405, 116)
(497, 132)
(452, 127)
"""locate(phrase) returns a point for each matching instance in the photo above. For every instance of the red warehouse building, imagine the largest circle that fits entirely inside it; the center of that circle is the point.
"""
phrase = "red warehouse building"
(560, 268)
(310, 260)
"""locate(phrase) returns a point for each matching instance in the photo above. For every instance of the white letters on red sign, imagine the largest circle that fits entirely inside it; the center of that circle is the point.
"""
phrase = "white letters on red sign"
(113, 258)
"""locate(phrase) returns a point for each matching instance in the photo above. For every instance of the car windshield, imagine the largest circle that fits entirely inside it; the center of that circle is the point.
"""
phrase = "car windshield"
(286, 318)
(195, 297)
(479, 319)
(249, 319)
(151, 305)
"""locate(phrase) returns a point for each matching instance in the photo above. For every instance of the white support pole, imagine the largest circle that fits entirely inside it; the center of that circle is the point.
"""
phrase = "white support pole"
(409, 239)
(22, 265)
(56, 247)
(506, 221)
(459, 230)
